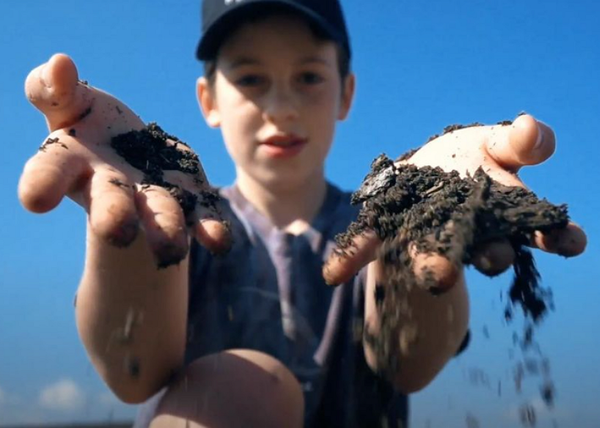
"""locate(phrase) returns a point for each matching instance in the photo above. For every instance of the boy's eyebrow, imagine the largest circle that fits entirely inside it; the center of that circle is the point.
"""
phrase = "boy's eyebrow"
(242, 61)
(315, 59)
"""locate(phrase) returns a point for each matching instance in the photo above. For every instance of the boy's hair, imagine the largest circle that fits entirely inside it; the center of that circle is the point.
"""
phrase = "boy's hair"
(326, 24)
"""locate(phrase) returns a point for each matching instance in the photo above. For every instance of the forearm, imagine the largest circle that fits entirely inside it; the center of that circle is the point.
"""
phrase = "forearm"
(131, 316)
(428, 334)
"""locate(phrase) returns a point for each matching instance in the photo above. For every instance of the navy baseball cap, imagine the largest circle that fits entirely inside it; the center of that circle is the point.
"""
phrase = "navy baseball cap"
(218, 16)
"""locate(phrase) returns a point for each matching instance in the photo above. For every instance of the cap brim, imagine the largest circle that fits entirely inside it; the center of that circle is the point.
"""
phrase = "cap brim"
(210, 42)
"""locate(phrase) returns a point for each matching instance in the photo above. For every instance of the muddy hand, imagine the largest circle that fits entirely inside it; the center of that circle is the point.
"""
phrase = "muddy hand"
(77, 160)
(501, 151)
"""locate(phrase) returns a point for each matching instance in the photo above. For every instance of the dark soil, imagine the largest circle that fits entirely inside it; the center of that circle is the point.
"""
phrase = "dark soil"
(443, 213)
(50, 141)
(150, 151)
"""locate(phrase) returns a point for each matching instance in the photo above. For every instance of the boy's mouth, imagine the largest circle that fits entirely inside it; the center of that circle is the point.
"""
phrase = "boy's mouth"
(284, 145)
(284, 140)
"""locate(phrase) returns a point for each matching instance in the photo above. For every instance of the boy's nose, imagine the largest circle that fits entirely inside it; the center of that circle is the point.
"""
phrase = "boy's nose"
(280, 106)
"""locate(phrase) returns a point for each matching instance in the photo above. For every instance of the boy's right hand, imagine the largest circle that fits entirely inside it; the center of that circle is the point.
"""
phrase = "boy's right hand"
(77, 160)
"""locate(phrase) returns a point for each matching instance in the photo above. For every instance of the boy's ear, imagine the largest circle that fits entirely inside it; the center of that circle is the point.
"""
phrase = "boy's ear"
(348, 89)
(207, 103)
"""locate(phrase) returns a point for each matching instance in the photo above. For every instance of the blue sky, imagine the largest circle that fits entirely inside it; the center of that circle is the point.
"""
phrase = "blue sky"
(420, 67)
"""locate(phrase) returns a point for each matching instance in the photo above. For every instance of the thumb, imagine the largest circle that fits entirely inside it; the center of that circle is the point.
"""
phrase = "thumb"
(525, 142)
(54, 89)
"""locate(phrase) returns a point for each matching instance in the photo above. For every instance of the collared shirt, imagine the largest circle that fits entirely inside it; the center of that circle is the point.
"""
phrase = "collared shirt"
(268, 294)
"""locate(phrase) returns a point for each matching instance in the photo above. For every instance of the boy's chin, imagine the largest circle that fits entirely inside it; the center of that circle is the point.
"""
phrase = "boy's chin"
(289, 179)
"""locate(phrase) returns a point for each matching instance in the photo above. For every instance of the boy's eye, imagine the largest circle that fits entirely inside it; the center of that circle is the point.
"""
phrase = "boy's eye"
(310, 78)
(249, 80)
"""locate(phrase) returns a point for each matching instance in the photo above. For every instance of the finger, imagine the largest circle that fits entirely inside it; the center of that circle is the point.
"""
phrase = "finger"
(50, 174)
(204, 221)
(214, 235)
(568, 242)
(54, 88)
(111, 207)
(343, 264)
(434, 271)
(525, 142)
(494, 257)
(164, 224)
(208, 228)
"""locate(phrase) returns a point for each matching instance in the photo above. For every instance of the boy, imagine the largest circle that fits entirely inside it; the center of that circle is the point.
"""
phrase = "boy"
(204, 330)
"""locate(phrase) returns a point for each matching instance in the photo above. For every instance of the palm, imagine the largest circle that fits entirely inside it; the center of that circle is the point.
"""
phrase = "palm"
(500, 151)
(78, 160)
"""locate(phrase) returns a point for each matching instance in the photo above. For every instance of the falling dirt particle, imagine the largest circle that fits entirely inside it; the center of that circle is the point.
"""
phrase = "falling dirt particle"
(84, 82)
(547, 392)
(531, 366)
(472, 421)
(119, 110)
(518, 375)
(527, 415)
(477, 377)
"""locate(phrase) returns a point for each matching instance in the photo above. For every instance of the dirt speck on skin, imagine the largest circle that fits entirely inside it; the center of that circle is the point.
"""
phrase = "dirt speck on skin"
(455, 127)
(442, 213)
(133, 366)
(85, 114)
(50, 141)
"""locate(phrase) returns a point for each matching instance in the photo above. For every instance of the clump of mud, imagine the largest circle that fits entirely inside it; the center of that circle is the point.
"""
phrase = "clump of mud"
(153, 151)
(442, 213)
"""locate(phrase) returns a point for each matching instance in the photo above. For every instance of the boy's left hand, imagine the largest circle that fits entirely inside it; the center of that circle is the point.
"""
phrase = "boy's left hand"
(501, 150)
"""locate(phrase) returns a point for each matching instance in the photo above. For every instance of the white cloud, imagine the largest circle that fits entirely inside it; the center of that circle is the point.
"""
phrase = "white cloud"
(63, 395)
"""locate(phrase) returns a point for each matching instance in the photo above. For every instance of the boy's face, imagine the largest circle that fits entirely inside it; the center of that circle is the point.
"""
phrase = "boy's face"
(277, 96)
